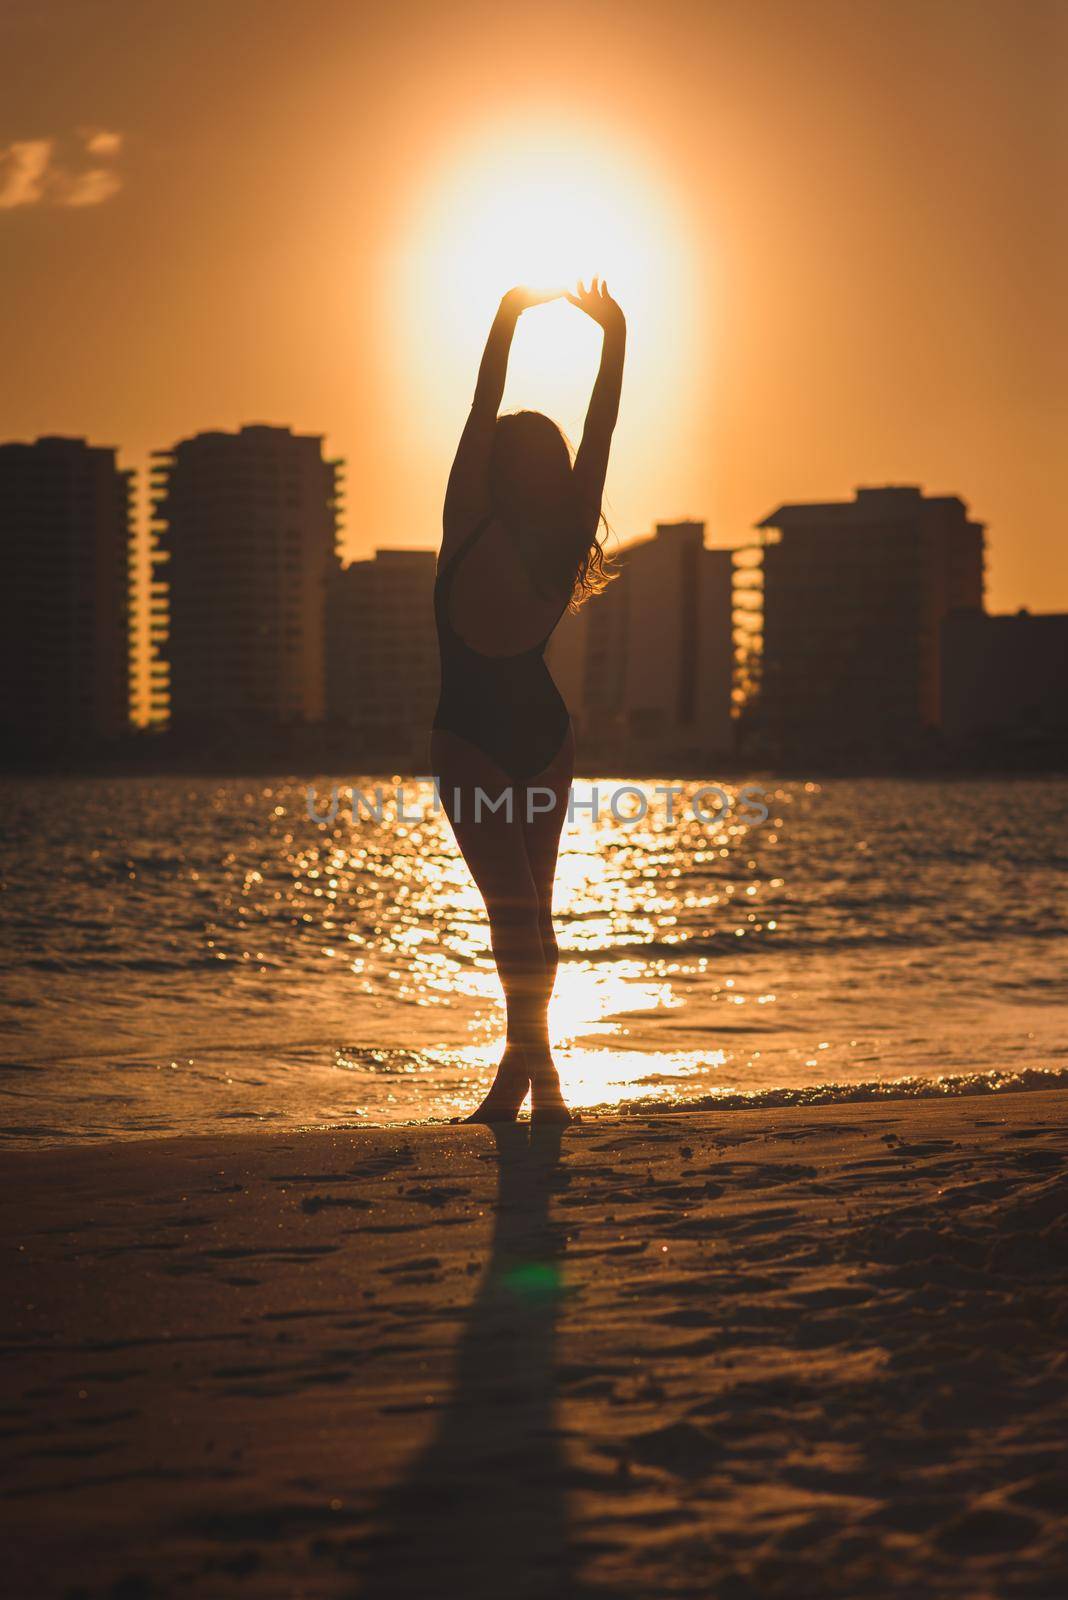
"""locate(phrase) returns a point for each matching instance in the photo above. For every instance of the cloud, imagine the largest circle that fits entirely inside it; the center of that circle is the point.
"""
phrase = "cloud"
(91, 188)
(99, 142)
(23, 170)
(31, 174)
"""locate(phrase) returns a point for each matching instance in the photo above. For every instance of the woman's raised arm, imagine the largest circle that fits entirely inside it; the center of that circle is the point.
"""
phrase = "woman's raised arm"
(467, 493)
(591, 463)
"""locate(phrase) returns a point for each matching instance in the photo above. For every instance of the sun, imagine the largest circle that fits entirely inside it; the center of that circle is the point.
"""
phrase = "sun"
(544, 216)
(541, 204)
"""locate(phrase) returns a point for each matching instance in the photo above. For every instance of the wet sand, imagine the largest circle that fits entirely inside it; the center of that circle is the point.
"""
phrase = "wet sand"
(808, 1352)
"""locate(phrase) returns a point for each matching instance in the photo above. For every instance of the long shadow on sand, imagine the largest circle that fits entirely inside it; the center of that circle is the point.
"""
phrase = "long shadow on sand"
(483, 1509)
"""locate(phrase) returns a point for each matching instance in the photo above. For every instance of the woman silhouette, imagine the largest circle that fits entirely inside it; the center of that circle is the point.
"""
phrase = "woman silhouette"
(520, 546)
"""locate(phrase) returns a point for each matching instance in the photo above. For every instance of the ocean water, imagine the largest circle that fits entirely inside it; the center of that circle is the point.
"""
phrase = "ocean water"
(198, 955)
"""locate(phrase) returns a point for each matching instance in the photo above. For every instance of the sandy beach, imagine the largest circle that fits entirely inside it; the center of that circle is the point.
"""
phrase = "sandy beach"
(794, 1353)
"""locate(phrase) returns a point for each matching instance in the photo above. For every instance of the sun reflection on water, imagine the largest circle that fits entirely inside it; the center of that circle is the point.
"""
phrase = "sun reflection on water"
(224, 957)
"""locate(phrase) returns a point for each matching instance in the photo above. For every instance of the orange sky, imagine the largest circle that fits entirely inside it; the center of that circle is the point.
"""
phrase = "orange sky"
(854, 215)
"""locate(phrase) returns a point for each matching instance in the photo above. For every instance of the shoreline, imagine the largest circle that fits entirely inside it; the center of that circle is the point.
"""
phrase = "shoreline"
(944, 1088)
(808, 1350)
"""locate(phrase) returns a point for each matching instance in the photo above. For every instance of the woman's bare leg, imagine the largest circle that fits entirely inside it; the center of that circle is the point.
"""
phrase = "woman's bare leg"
(541, 830)
(494, 848)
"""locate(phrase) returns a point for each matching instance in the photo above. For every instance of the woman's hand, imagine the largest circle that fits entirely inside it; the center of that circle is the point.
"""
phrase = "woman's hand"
(598, 304)
(523, 297)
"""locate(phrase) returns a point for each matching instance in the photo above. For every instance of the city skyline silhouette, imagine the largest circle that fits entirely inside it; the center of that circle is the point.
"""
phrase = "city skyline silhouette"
(853, 632)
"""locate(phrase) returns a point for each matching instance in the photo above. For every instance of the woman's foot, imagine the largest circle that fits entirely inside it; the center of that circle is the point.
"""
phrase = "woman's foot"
(546, 1098)
(507, 1091)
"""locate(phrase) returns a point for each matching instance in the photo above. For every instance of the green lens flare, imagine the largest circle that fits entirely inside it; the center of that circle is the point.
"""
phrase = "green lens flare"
(533, 1279)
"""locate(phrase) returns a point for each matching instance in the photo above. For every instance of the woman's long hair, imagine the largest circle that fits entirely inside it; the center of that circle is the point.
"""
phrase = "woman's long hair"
(532, 488)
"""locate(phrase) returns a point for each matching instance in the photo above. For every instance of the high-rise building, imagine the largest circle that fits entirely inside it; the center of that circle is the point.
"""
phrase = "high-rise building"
(647, 665)
(1005, 684)
(65, 532)
(245, 529)
(855, 593)
(383, 654)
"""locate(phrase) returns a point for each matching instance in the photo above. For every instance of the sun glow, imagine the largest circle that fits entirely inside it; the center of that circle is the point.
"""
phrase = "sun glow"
(545, 207)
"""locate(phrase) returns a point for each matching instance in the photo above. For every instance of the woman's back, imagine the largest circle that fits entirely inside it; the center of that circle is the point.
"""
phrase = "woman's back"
(494, 604)
(496, 690)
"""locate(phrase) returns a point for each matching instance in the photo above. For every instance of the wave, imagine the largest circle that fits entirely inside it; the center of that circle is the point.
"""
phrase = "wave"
(811, 941)
(947, 1086)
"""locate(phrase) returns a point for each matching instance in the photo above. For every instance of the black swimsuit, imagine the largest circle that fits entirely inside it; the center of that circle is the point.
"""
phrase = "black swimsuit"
(507, 706)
